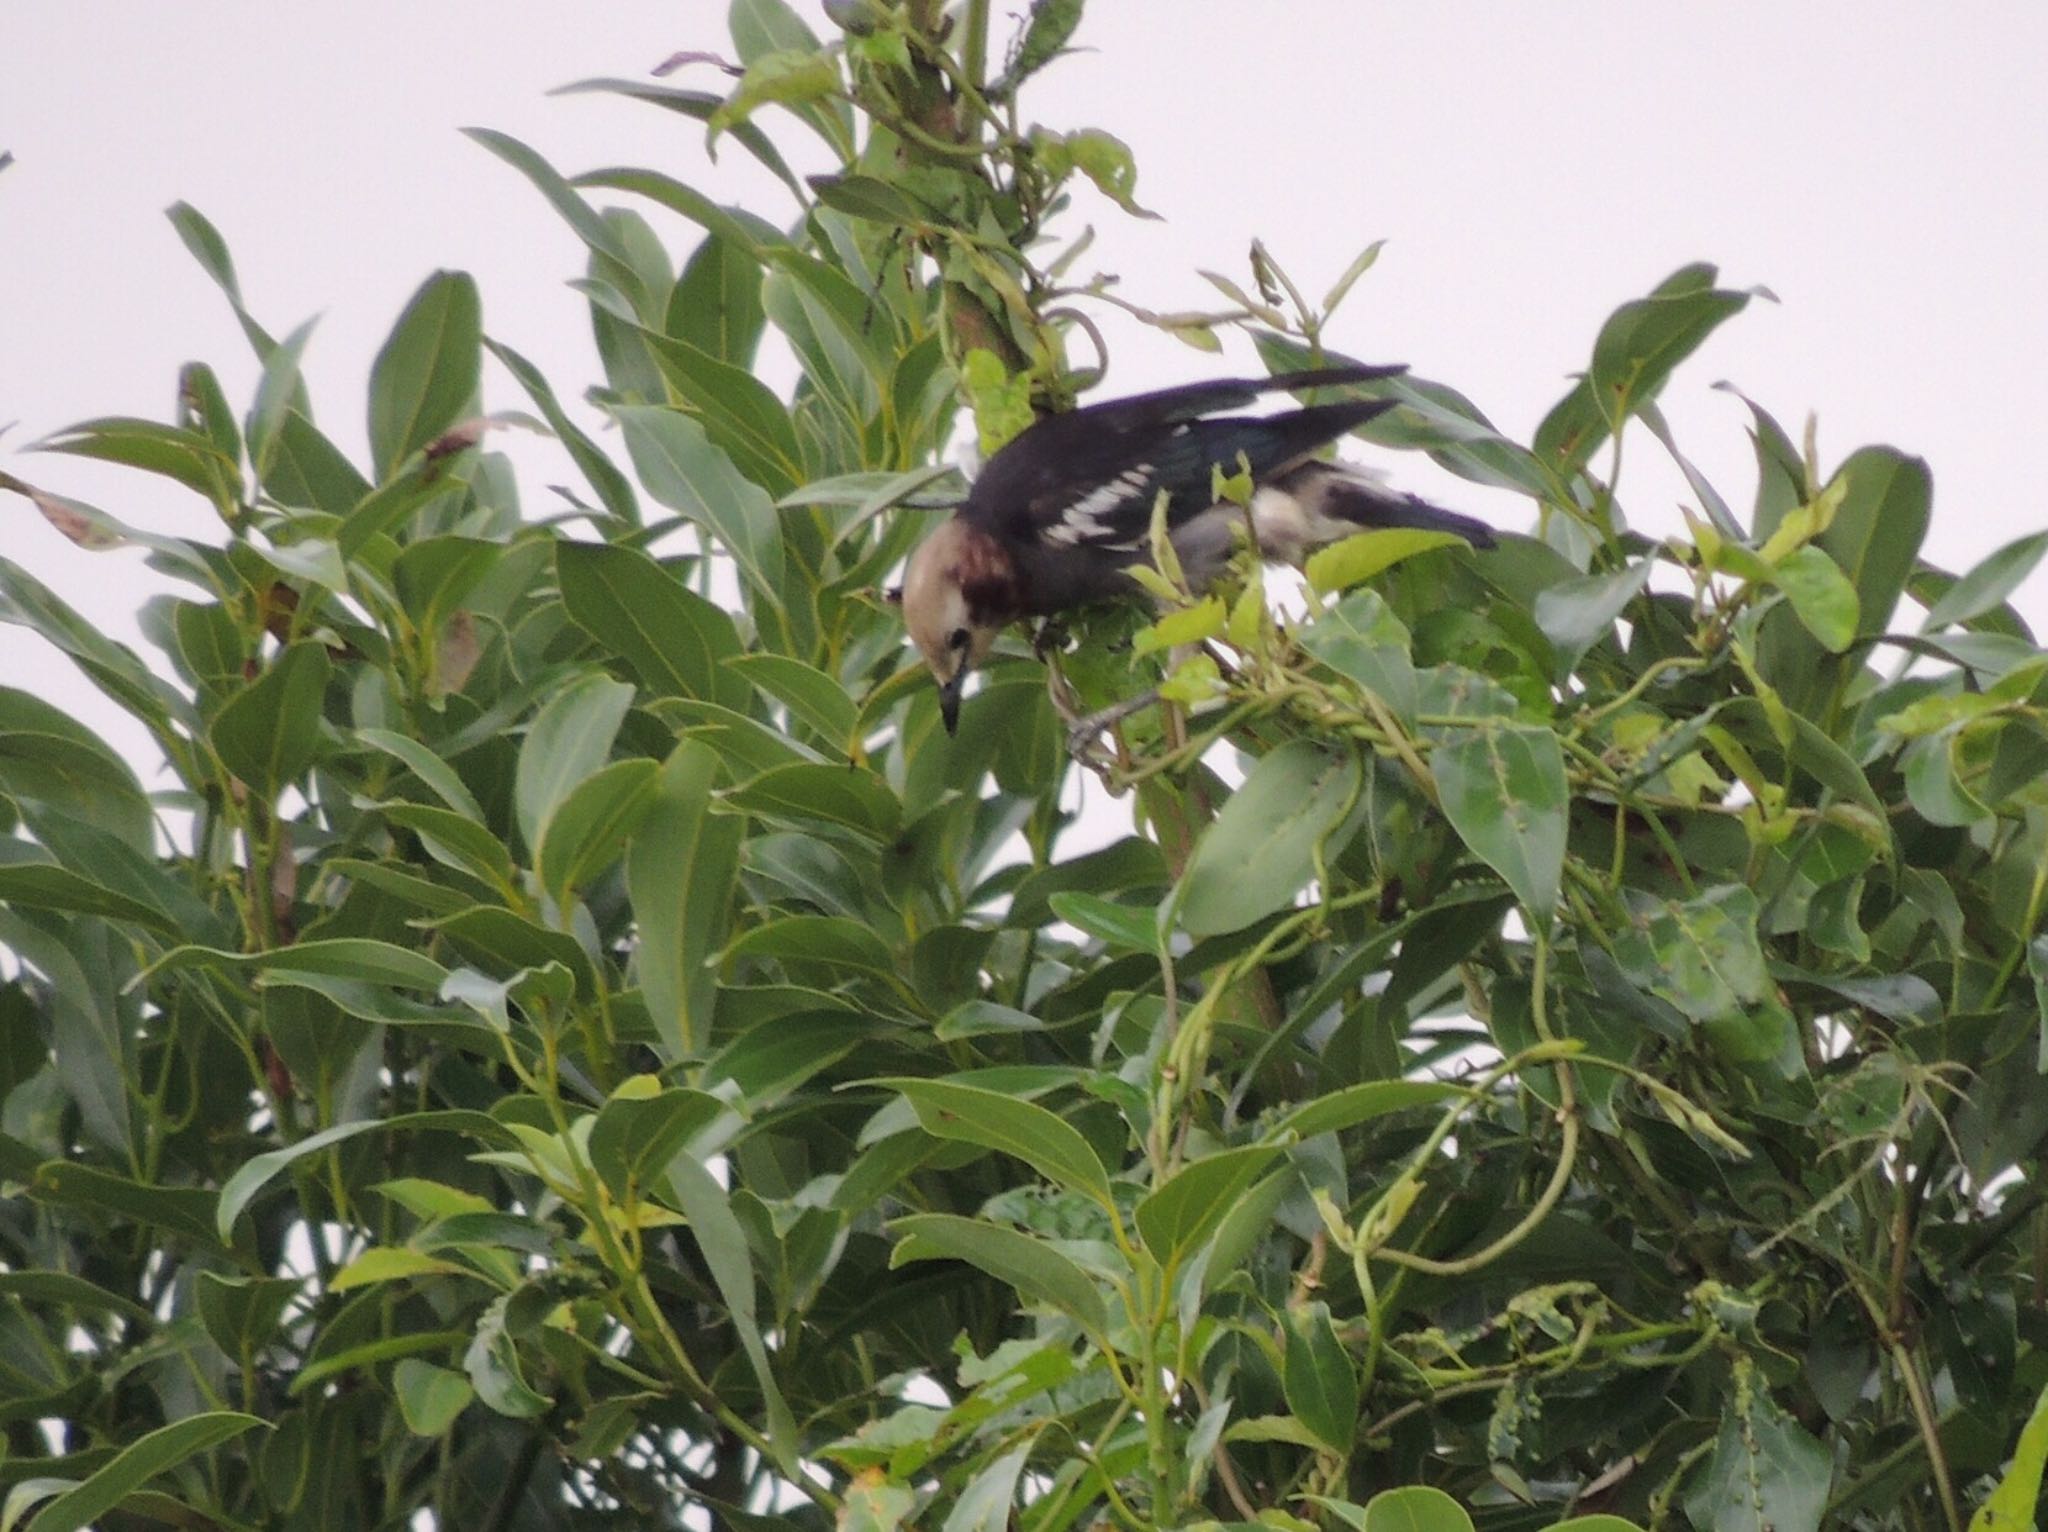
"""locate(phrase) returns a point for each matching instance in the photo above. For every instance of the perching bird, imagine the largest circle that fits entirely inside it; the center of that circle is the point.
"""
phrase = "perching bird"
(1061, 511)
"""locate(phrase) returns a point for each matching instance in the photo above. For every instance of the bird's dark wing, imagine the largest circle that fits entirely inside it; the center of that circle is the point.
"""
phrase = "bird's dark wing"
(1085, 488)
(1191, 401)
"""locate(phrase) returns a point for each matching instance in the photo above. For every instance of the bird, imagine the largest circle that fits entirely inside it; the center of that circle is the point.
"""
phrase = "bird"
(1058, 515)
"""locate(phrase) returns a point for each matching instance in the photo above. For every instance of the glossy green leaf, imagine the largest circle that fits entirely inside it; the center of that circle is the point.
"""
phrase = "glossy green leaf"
(1986, 586)
(269, 733)
(428, 767)
(614, 489)
(1637, 348)
(256, 1173)
(806, 796)
(46, 886)
(430, 1397)
(1321, 1382)
(1116, 925)
(135, 1465)
(571, 736)
(587, 831)
(1878, 529)
(425, 378)
(1188, 1207)
(676, 642)
(455, 840)
(1045, 1141)
(1360, 1103)
(681, 865)
(1038, 1272)
(684, 470)
(723, 1244)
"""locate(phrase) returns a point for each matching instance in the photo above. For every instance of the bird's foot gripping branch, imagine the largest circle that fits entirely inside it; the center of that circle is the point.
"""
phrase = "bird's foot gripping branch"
(574, 1040)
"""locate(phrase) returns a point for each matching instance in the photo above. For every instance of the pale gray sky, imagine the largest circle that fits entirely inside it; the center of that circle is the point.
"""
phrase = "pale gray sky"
(1883, 168)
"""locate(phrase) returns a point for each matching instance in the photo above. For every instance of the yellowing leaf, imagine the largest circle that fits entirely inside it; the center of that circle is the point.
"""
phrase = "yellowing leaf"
(1357, 558)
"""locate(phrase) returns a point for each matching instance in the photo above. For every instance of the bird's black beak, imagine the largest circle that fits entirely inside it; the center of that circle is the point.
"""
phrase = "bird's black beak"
(949, 700)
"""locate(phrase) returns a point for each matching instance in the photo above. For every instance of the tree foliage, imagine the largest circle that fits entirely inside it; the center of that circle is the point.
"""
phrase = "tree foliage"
(577, 1044)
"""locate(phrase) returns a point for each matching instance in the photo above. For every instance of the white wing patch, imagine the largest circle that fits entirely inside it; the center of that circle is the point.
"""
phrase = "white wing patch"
(1092, 518)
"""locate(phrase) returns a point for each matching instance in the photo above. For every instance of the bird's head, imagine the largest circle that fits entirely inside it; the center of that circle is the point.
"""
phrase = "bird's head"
(955, 600)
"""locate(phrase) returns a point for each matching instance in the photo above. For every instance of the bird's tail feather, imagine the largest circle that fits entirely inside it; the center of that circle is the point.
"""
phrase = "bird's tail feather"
(1369, 506)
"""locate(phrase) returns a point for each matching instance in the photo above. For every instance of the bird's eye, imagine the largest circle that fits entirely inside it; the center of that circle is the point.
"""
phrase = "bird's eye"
(957, 639)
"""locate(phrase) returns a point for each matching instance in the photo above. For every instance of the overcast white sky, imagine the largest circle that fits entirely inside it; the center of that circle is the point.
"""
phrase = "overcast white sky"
(1883, 168)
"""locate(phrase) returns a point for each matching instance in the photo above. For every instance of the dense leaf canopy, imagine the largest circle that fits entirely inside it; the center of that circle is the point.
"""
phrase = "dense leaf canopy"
(1554, 1033)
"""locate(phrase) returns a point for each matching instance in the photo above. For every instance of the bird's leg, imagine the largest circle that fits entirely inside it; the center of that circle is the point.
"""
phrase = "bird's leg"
(1050, 639)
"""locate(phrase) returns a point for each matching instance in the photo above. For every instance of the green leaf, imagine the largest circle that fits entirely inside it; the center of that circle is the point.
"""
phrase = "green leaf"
(1503, 790)
(716, 304)
(1766, 1474)
(570, 738)
(635, 1138)
(1355, 559)
(429, 1397)
(1045, 36)
(587, 831)
(724, 1246)
(242, 1314)
(115, 669)
(1319, 1378)
(1045, 1141)
(269, 733)
(1986, 586)
(241, 1188)
(1576, 614)
(428, 767)
(1102, 157)
(739, 415)
(344, 957)
(677, 642)
(613, 488)
(681, 866)
(986, 1504)
(1821, 596)
(810, 695)
(589, 225)
(492, 1363)
(136, 1464)
(1185, 1210)
(2011, 1506)
(1038, 1272)
(1877, 531)
(786, 77)
(1637, 348)
(184, 457)
(1416, 1508)
(425, 378)
(1118, 926)
(805, 796)
(46, 886)
(457, 841)
(684, 470)
(392, 1263)
(871, 198)
(1270, 837)
(1359, 1103)
(830, 939)
(1700, 954)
